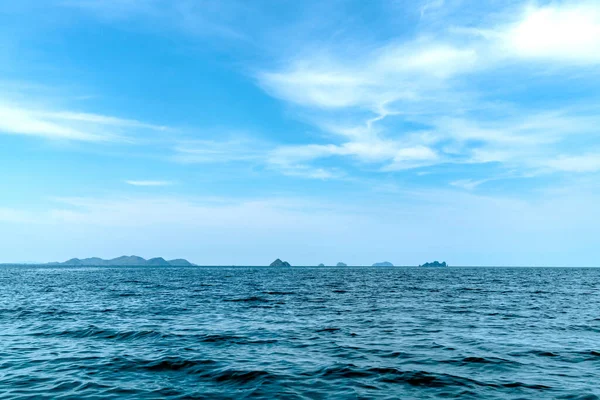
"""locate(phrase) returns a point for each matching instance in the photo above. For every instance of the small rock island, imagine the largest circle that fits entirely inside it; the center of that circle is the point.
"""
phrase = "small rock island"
(279, 263)
(321, 265)
(341, 264)
(383, 264)
(434, 264)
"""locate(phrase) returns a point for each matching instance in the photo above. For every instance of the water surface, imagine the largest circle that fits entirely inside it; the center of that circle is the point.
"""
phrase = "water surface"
(299, 333)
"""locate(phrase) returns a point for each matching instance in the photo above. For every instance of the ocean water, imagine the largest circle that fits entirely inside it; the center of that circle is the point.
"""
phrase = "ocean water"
(299, 333)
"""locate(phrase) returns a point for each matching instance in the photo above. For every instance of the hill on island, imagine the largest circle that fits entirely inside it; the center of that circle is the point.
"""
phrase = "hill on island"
(279, 263)
(434, 264)
(383, 264)
(126, 261)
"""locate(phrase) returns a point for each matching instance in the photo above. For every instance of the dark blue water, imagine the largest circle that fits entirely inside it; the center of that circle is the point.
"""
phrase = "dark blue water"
(299, 333)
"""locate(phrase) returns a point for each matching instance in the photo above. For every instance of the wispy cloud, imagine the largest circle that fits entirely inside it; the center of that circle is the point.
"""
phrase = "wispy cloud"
(101, 120)
(148, 183)
(587, 162)
(16, 119)
(417, 99)
(404, 103)
(199, 18)
(411, 103)
(308, 171)
(242, 149)
(402, 71)
(468, 184)
(19, 121)
(393, 153)
(431, 5)
(287, 160)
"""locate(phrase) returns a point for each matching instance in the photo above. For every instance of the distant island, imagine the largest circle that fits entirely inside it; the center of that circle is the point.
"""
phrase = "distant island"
(279, 263)
(126, 261)
(383, 264)
(136, 261)
(434, 264)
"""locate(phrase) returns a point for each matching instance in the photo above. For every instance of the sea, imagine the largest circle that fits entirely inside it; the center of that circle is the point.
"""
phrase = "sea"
(299, 333)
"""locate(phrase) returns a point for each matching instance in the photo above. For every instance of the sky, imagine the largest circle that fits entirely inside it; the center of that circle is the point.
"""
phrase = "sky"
(236, 132)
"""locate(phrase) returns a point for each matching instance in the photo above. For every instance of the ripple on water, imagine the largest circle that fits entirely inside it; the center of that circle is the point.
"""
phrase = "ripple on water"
(299, 333)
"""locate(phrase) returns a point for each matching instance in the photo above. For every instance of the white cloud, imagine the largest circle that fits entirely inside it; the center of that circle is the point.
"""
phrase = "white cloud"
(148, 183)
(66, 125)
(431, 5)
(568, 32)
(386, 74)
(100, 119)
(287, 160)
(355, 91)
(575, 163)
(395, 155)
(412, 157)
(516, 141)
(20, 121)
(311, 87)
(306, 171)
(422, 79)
(241, 149)
(468, 184)
(424, 58)
(426, 80)
(397, 80)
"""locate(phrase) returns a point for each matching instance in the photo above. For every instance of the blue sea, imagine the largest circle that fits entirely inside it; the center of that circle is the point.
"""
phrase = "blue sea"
(299, 333)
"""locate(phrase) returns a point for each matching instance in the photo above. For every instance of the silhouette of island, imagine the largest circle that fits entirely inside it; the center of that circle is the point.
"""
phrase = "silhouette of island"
(341, 264)
(126, 261)
(321, 265)
(383, 264)
(279, 263)
(434, 264)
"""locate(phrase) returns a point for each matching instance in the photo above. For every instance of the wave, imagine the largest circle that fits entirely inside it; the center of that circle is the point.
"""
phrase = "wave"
(96, 332)
(416, 378)
(205, 368)
(251, 299)
(276, 293)
(385, 334)
(175, 364)
(537, 353)
(481, 360)
(232, 339)
(116, 335)
(331, 330)
(241, 377)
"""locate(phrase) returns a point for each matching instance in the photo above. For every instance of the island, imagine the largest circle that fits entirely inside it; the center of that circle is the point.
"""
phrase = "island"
(126, 261)
(383, 264)
(180, 262)
(279, 263)
(434, 264)
(321, 265)
(341, 264)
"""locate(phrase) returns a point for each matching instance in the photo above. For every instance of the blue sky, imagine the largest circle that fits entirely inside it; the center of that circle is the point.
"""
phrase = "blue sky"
(235, 132)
